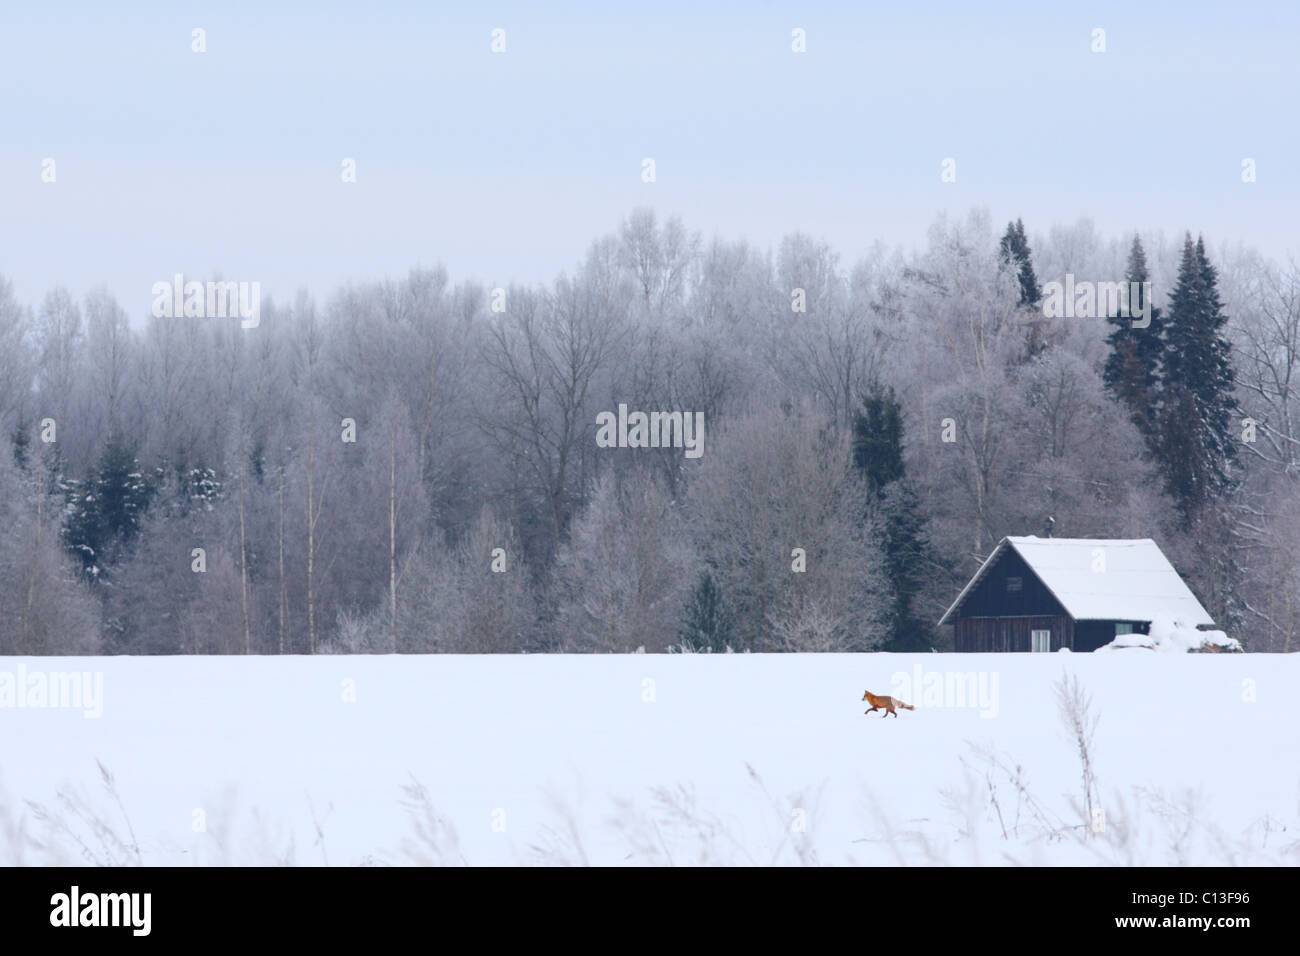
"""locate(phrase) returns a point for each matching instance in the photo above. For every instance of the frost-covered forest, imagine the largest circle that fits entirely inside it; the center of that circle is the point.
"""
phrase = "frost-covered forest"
(411, 464)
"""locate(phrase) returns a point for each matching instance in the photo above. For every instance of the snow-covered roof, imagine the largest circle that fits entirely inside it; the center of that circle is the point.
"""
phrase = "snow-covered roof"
(1101, 579)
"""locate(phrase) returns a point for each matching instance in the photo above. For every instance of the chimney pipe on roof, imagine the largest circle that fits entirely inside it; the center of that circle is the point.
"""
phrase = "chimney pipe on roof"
(1047, 528)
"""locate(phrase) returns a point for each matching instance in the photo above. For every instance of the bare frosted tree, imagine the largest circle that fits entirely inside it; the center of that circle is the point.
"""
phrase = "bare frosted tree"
(1266, 341)
(622, 579)
(472, 598)
(831, 349)
(110, 353)
(779, 516)
(660, 261)
(60, 339)
(545, 353)
(44, 607)
(963, 311)
(16, 360)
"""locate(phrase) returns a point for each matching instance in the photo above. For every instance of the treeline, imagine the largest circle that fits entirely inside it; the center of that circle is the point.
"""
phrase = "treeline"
(411, 465)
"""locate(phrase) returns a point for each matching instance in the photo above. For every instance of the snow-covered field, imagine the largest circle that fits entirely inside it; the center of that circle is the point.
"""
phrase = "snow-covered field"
(652, 759)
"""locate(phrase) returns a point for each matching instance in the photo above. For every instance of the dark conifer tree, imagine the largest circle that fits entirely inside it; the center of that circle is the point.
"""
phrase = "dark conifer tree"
(1196, 442)
(105, 512)
(708, 624)
(878, 456)
(1015, 253)
(1132, 372)
(878, 440)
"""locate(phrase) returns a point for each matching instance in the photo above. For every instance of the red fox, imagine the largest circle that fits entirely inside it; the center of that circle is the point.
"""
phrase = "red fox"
(888, 703)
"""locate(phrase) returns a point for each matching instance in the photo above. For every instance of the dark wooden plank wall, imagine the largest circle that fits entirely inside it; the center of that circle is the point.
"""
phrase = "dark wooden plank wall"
(977, 634)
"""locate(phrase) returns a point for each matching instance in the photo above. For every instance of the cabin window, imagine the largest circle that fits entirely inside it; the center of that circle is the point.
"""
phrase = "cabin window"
(1122, 627)
(1015, 584)
(1040, 640)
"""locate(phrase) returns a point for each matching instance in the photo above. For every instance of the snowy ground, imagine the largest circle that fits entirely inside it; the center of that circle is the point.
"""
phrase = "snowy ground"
(646, 759)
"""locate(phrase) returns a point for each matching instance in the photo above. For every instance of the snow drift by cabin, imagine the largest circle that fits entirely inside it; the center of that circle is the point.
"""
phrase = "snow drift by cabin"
(1080, 594)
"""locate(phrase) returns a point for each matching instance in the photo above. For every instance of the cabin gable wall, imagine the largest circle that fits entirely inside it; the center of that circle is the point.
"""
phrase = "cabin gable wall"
(993, 597)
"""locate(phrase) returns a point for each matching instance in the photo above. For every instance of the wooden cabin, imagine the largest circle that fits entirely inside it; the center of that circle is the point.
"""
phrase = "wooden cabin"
(1045, 594)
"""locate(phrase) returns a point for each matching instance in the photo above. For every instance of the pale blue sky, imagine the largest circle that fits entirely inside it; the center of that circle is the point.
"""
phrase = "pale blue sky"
(504, 167)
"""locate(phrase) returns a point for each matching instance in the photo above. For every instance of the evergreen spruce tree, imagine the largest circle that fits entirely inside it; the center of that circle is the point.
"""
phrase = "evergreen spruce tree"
(105, 512)
(878, 440)
(1132, 372)
(1196, 443)
(878, 456)
(21, 440)
(1015, 252)
(709, 624)
(1015, 255)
